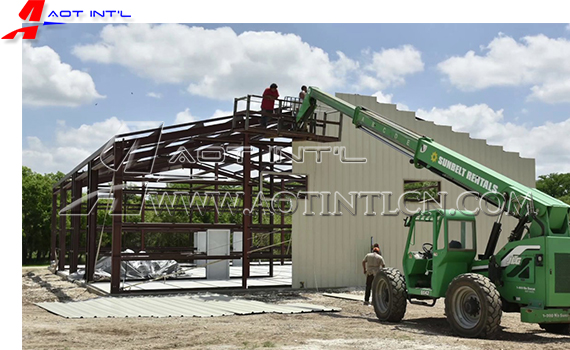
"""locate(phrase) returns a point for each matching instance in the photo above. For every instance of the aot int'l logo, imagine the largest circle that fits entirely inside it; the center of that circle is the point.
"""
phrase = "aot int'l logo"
(33, 9)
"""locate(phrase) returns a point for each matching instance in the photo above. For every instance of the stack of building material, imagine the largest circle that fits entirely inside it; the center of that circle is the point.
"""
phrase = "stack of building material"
(174, 306)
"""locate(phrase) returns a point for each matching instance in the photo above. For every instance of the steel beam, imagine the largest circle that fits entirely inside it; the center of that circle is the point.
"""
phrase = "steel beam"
(174, 227)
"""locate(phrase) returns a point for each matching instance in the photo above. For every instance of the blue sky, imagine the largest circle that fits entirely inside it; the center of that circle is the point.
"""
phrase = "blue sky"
(512, 91)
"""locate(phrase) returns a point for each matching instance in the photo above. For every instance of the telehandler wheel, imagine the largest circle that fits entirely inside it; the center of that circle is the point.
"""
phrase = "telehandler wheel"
(389, 295)
(558, 328)
(473, 306)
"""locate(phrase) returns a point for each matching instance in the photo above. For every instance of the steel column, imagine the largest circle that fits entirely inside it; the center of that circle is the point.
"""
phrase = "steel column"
(271, 218)
(62, 230)
(75, 223)
(247, 106)
(117, 219)
(92, 188)
(216, 196)
(247, 209)
(53, 240)
(143, 209)
(282, 223)
(191, 188)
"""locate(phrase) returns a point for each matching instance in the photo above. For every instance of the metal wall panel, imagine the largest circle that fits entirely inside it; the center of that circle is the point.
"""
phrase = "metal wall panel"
(328, 250)
(201, 246)
(175, 306)
(237, 238)
(218, 244)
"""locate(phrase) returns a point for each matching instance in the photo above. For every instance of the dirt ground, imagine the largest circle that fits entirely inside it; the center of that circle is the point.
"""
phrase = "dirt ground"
(355, 327)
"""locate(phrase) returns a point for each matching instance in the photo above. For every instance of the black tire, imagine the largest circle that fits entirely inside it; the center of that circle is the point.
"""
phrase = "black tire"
(389, 295)
(473, 306)
(557, 328)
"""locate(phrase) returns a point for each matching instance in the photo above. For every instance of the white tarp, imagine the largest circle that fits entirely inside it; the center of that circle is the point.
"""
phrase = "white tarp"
(143, 269)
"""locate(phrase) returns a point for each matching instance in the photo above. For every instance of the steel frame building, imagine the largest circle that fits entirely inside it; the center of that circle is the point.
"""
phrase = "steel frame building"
(132, 164)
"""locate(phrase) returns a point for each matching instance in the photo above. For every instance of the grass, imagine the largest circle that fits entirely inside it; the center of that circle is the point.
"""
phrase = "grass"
(35, 265)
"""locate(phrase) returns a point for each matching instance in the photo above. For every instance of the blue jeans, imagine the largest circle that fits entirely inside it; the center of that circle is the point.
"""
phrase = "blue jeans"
(266, 117)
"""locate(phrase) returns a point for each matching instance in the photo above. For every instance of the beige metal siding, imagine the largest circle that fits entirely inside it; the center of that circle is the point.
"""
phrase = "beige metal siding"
(328, 250)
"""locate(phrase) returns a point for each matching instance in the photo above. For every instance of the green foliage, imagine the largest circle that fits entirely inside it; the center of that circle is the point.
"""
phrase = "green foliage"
(555, 185)
(426, 190)
(36, 214)
(565, 199)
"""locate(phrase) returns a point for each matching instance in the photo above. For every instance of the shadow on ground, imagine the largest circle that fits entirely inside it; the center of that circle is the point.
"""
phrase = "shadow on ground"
(439, 326)
(58, 292)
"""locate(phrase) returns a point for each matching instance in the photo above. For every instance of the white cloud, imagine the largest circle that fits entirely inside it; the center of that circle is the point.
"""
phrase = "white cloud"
(402, 107)
(73, 145)
(547, 143)
(345, 66)
(382, 98)
(387, 98)
(46, 81)
(536, 61)
(568, 27)
(390, 66)
(220, 64)
(220, 113)
(184, 117)
(154, 95)
(554, 91)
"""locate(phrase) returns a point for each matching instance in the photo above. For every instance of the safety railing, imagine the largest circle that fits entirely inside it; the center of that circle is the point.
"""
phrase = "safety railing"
(247, 114)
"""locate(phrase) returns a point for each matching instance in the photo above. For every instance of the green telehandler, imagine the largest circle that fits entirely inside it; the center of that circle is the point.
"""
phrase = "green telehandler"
(530, 274)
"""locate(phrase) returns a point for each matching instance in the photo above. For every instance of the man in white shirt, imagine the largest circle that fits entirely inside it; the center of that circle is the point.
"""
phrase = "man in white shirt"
(371, 264)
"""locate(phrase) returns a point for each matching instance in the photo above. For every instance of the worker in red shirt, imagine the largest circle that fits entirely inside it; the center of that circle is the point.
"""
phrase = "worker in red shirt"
(268, 104)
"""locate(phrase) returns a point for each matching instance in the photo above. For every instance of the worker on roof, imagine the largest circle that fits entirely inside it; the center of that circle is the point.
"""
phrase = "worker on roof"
(371, 264)
(268, 104)
(303, 93)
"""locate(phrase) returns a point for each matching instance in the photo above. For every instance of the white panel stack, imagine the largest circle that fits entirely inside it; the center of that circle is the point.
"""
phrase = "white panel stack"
(218, 243)
(238, 247)
(201, 246)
